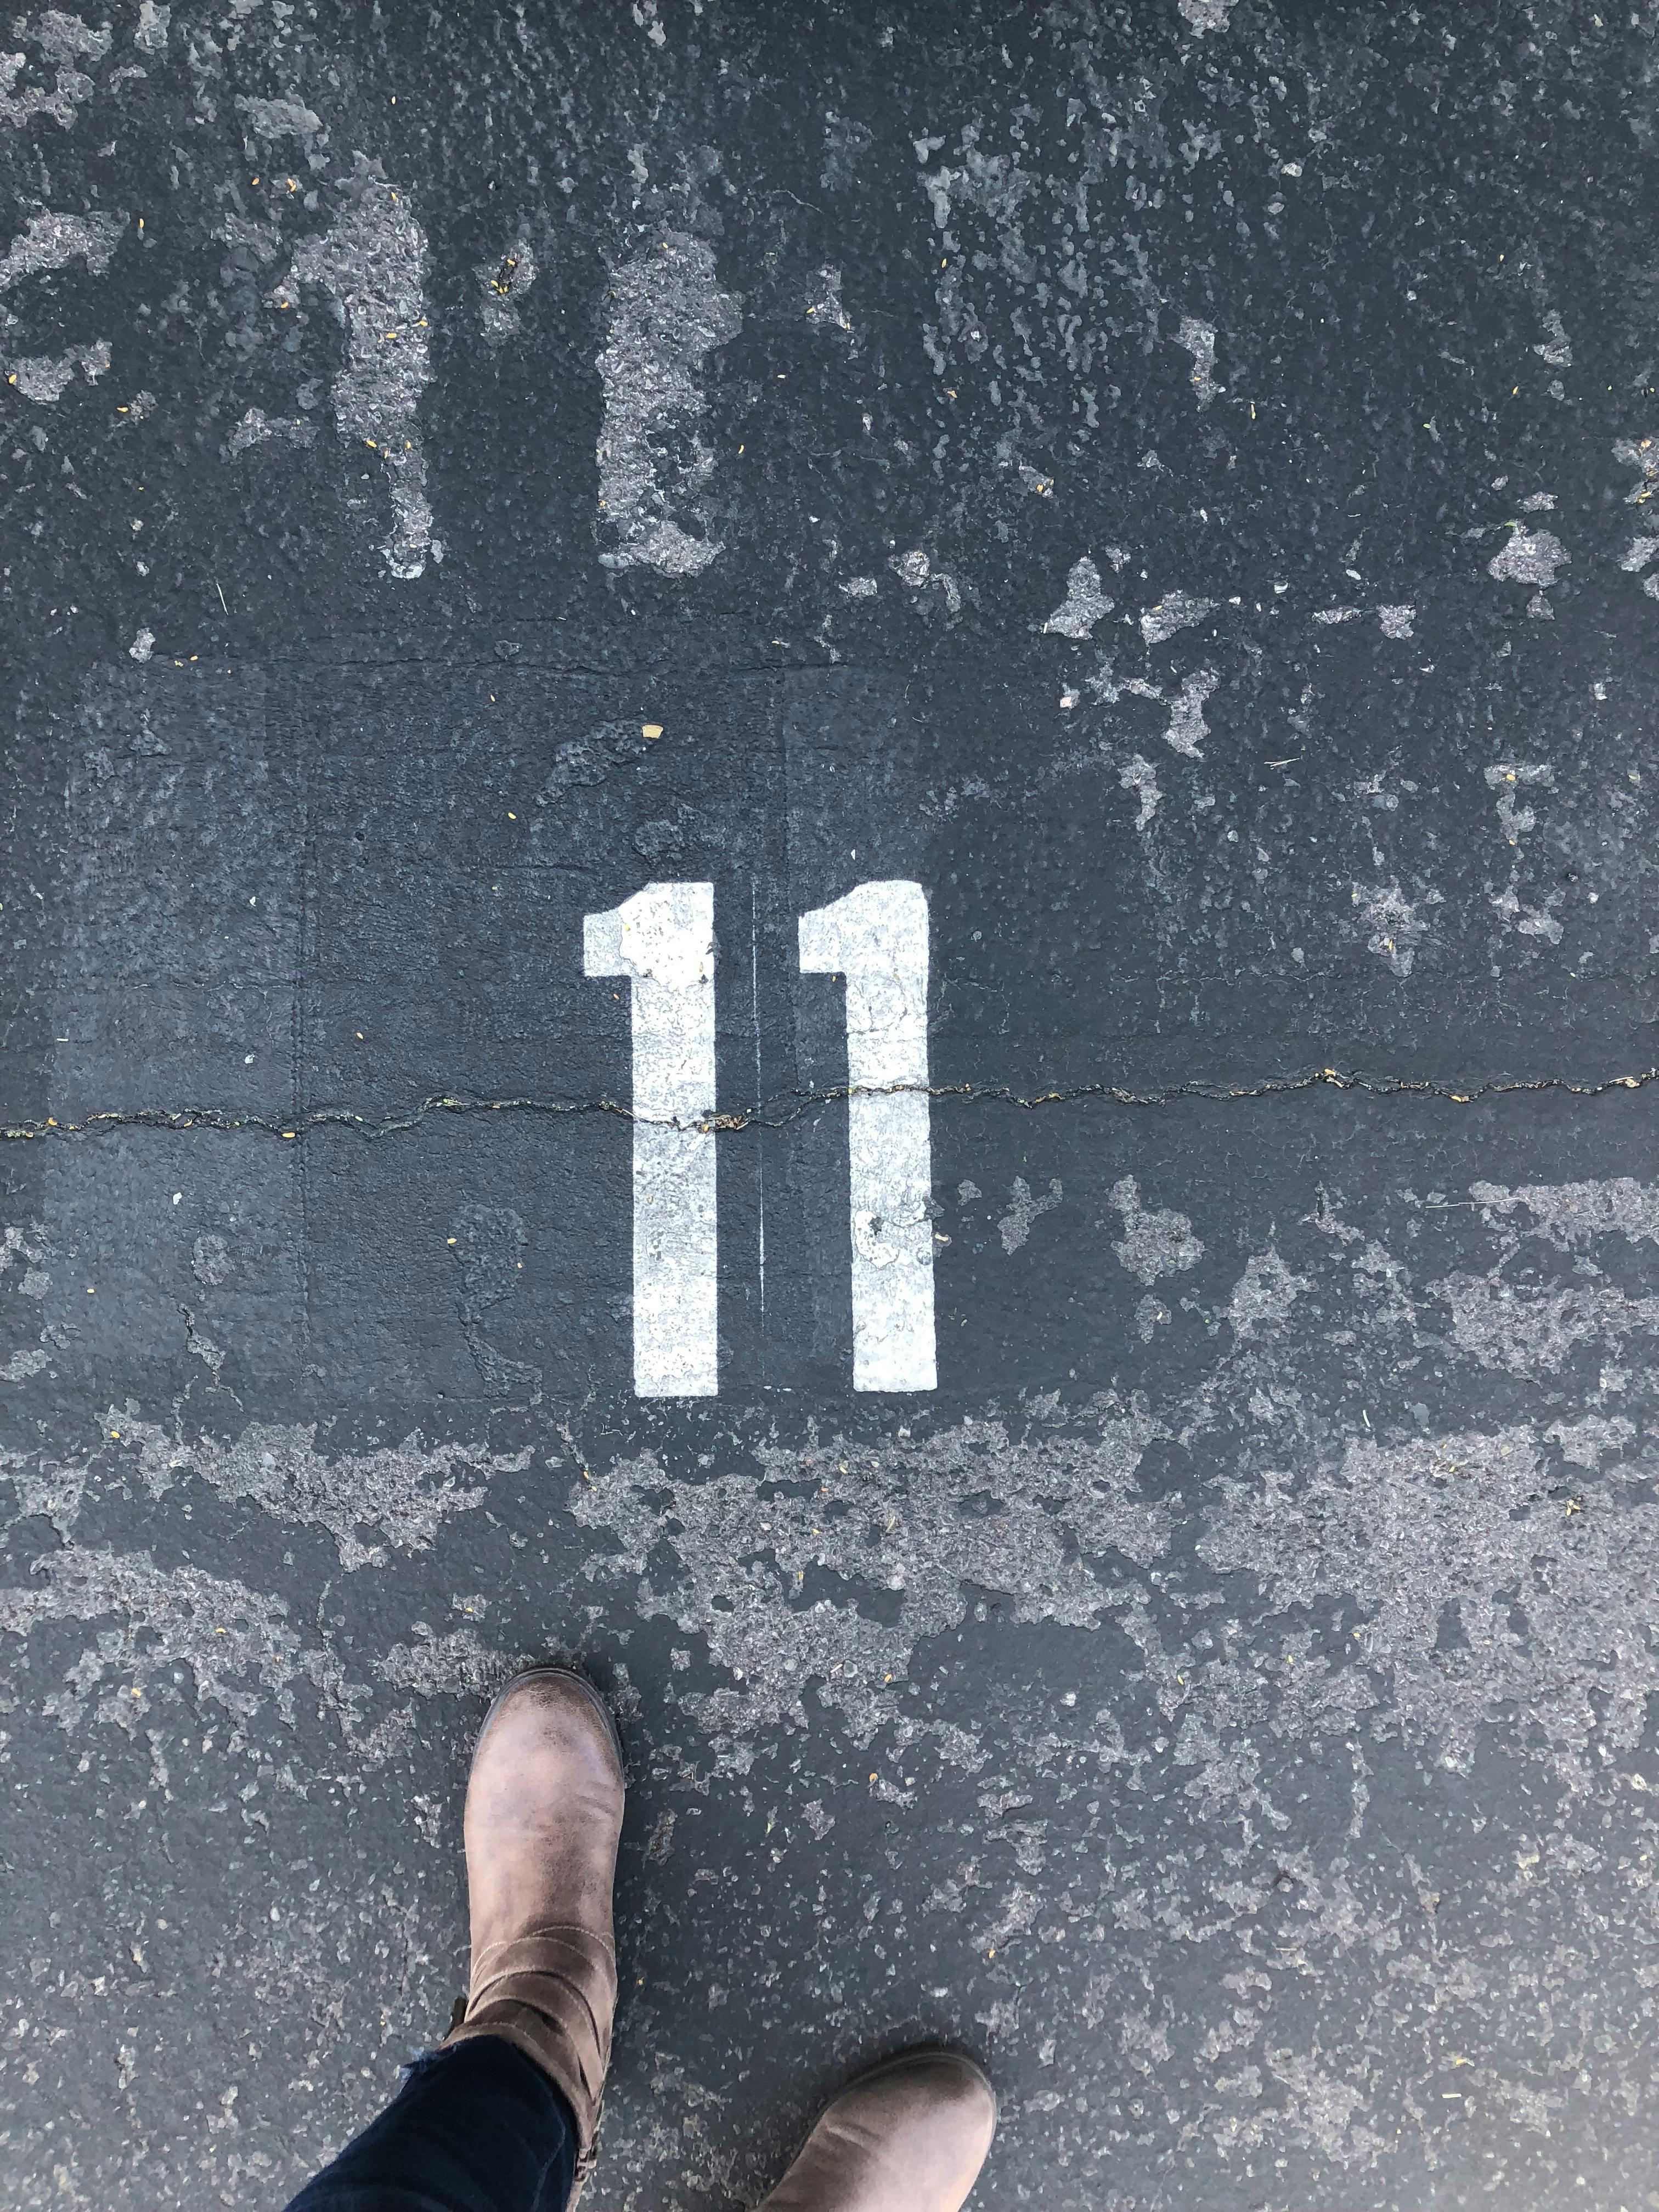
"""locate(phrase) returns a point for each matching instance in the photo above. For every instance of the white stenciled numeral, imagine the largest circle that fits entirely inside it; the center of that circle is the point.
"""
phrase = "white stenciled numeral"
(877, 937)
(663, 940)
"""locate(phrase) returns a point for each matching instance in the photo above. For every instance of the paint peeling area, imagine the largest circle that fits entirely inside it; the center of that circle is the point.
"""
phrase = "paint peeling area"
(406, 1492)
(1463, 1533)
(371, 265)
(1025, 1208)
(223, 1635)
(1084, 604)
(403, 1493)
(503, 281)
(1050, 276)
(665, 313)
(53, 241)
(45, 377)
(58, 45)
(1358, 1590)
(1330, 1763)
(1157, 1240)
(759, 1550)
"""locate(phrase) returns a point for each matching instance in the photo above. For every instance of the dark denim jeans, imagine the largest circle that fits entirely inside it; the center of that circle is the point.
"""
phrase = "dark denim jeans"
(477, 2128)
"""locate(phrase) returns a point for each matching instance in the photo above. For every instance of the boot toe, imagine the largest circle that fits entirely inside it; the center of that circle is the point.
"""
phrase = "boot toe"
(910, 2136)
(940, 2105)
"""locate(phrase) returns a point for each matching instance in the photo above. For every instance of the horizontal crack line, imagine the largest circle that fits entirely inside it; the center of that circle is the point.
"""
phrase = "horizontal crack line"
(778, 1113)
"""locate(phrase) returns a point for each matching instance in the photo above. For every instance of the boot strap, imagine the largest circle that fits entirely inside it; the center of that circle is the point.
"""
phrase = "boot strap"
(552, 1994)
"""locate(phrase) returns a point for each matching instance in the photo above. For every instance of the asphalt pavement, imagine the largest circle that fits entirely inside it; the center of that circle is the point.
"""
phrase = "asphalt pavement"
(827, 869)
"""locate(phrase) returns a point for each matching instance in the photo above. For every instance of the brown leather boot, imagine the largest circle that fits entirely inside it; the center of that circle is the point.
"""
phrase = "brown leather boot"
(543, 1814)
(910, 2136)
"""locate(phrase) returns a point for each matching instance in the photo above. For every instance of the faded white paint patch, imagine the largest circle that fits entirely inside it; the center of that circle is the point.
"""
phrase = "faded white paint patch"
(1635, 557)
(662, 940)
(45, 377)
(1263, 1295)
(371, 264)
(1569, 1214)
(487, 1243)
(1175, 610)
(1198, 339)
(52, 241)
(1529, 920)
(1025, 1209)
(1157, 1241)
(256, 427)
(262, 241)
(1186, 728)
(1557, 349)
(1529, 556)
(1641, 454)
(63, 42)
(1505, 778)
(1587, 1442)
(1465, 1525)
(1068, 1507)
(1529, 1329)
(46, 1490)
(915, 570)
(878, 937)
(237, 1644)
(665, 313)
(996, 186)
(166, 1618)
(404, 1493)
(1140, 777)
(25, 1249)
(1397, 621)
(503, 282)
(1084, 604)
(271, 119)
(22, 1247)
(1399, 925)
(827, 312)
(458, 1663)
(860, 587)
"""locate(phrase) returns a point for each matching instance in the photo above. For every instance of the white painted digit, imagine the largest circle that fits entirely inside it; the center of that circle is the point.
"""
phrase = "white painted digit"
(663, 940)
(877, 937)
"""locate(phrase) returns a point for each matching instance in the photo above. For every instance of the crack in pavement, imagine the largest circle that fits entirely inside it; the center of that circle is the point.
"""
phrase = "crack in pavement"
(778, 1113)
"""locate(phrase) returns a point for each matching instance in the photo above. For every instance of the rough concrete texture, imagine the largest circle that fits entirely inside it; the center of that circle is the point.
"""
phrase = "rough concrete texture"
(1173, 481)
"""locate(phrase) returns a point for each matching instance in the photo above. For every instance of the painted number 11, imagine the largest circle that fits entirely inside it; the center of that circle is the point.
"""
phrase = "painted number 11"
(662, 941)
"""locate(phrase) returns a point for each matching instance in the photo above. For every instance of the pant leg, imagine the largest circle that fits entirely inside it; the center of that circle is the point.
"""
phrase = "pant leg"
(476, 2128)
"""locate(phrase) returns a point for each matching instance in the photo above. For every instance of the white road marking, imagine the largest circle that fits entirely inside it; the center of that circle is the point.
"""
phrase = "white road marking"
(877, 937)
(662, 939)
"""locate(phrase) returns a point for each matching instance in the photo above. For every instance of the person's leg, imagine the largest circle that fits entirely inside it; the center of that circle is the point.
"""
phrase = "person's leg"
(475, 2129)
(504, 2117)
